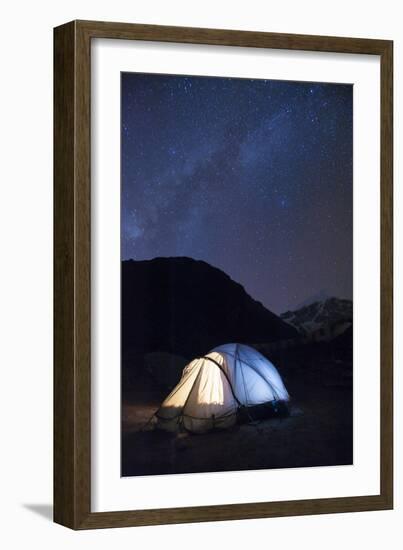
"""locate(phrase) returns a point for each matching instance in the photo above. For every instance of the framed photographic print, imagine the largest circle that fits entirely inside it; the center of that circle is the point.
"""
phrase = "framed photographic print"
(223, 275)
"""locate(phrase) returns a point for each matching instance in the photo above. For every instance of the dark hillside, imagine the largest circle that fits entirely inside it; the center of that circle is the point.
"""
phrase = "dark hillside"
(186, 307)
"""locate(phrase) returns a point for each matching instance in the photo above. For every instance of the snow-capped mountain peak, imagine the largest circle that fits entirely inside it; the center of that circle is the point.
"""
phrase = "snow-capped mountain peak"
(319, 314)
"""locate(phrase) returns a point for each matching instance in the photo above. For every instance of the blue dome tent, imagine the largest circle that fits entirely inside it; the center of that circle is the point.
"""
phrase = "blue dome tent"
(233, 382)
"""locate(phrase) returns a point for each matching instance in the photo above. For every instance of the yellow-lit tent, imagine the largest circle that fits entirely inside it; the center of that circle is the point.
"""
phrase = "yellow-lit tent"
(214, 388)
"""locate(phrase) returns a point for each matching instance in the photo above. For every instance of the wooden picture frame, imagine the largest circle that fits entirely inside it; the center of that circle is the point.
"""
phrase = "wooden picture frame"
(72, 268)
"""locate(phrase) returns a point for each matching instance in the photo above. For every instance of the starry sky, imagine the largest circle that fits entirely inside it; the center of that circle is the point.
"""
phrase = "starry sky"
(253, 176)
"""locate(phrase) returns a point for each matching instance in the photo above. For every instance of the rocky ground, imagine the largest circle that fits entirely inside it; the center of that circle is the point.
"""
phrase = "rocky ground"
(318, 431)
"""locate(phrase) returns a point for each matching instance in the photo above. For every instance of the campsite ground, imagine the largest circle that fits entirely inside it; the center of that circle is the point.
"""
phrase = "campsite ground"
(317, 433)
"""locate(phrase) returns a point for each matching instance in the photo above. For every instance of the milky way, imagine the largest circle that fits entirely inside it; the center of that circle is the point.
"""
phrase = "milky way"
(252, 176)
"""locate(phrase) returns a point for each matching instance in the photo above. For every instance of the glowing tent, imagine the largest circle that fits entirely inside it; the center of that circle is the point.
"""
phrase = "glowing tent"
(232, 380)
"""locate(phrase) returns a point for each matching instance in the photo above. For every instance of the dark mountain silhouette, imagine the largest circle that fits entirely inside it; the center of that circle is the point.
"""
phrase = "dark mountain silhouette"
(344, 342)
(187, 307)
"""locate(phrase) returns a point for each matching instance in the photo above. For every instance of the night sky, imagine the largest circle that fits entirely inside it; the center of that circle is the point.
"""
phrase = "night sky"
(252, 176)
